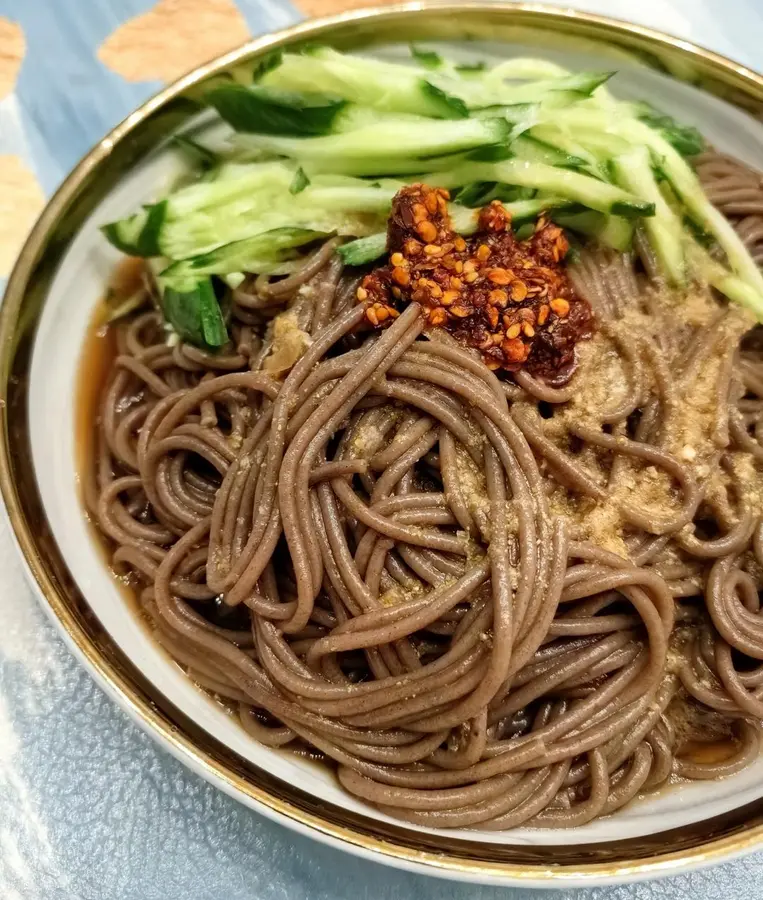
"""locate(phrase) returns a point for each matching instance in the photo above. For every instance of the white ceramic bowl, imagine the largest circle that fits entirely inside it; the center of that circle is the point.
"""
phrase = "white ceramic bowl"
(70, 301)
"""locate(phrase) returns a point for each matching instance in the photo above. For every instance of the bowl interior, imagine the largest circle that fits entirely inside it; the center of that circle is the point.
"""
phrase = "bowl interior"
(73, 295)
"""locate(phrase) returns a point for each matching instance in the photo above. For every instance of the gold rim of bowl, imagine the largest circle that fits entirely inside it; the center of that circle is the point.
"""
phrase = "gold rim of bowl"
(619, 860)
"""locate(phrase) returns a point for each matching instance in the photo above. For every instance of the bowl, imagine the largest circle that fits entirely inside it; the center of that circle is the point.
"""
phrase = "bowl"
(53, 290)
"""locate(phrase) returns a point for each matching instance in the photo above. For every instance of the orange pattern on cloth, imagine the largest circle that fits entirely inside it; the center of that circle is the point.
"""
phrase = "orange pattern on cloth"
(12, 49)
(173, 38)
(328, 7)
(21, 201)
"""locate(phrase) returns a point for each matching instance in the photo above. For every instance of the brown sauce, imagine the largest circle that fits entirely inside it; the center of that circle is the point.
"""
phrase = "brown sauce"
(96, 360)
(708, 752)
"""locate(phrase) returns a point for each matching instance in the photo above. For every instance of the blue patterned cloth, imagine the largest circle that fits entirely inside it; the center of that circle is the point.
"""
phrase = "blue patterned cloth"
(90, 807)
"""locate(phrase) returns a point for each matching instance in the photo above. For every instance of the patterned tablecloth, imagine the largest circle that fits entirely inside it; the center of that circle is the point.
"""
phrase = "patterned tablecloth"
(90, 807)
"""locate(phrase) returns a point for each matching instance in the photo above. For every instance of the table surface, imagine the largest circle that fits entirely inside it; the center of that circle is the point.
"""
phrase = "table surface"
(90, 807)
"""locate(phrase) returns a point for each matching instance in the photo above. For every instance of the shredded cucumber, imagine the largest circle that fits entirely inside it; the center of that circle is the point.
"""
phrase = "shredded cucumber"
(368, 82)
(393, 140)
(664, 230)
(525, 68)
(477, 93)
(534, 149)
(364, 250)
(610, 231)
(590, 192)
(263, 253)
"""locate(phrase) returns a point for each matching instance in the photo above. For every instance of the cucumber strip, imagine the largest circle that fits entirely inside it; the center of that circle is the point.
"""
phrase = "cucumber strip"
(558, 137)
(368, 82)
(522, 211)
(478, 93)
(664, 230)
(364, 250)
(138, 235)
(533, 149)
(194, 314)
(686, 139)
(524, 116)
(575, 186)
(731, 286)
(247, 200)
(329, 210)
(611, 231)
(353, 117)
(617, 233)
(125, 234)
(515, 113)
(270, 111)
(687, 187)
(463, 219)
(197, 153)
(262, 253)
(736, 290)
(525, 68)
(604, 145)
(392, 140)
(230, 183)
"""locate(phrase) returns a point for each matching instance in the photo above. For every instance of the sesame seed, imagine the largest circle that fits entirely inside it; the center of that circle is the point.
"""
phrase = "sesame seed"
(397, 259)
(515, 350)
(528, 330)
(431, 202)
(560, 306)
(449, 298)
(419, 212)
(499, 276)
(460, 244)
(518, 291)
(432, 250)
(498, 298)
(371, 316)
(361, 294)
(471, 277)
(461, 311)
(456, 283)
(437, 316)
(513, 331)
(543, 314)
(400, 276)
(483, 252)
(427, 232)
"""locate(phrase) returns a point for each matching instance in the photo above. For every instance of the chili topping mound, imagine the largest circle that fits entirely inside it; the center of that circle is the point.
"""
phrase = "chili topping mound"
(510, 299)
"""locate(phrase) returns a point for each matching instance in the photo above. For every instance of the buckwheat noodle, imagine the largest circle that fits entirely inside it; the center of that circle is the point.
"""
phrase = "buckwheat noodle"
(489, 603)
